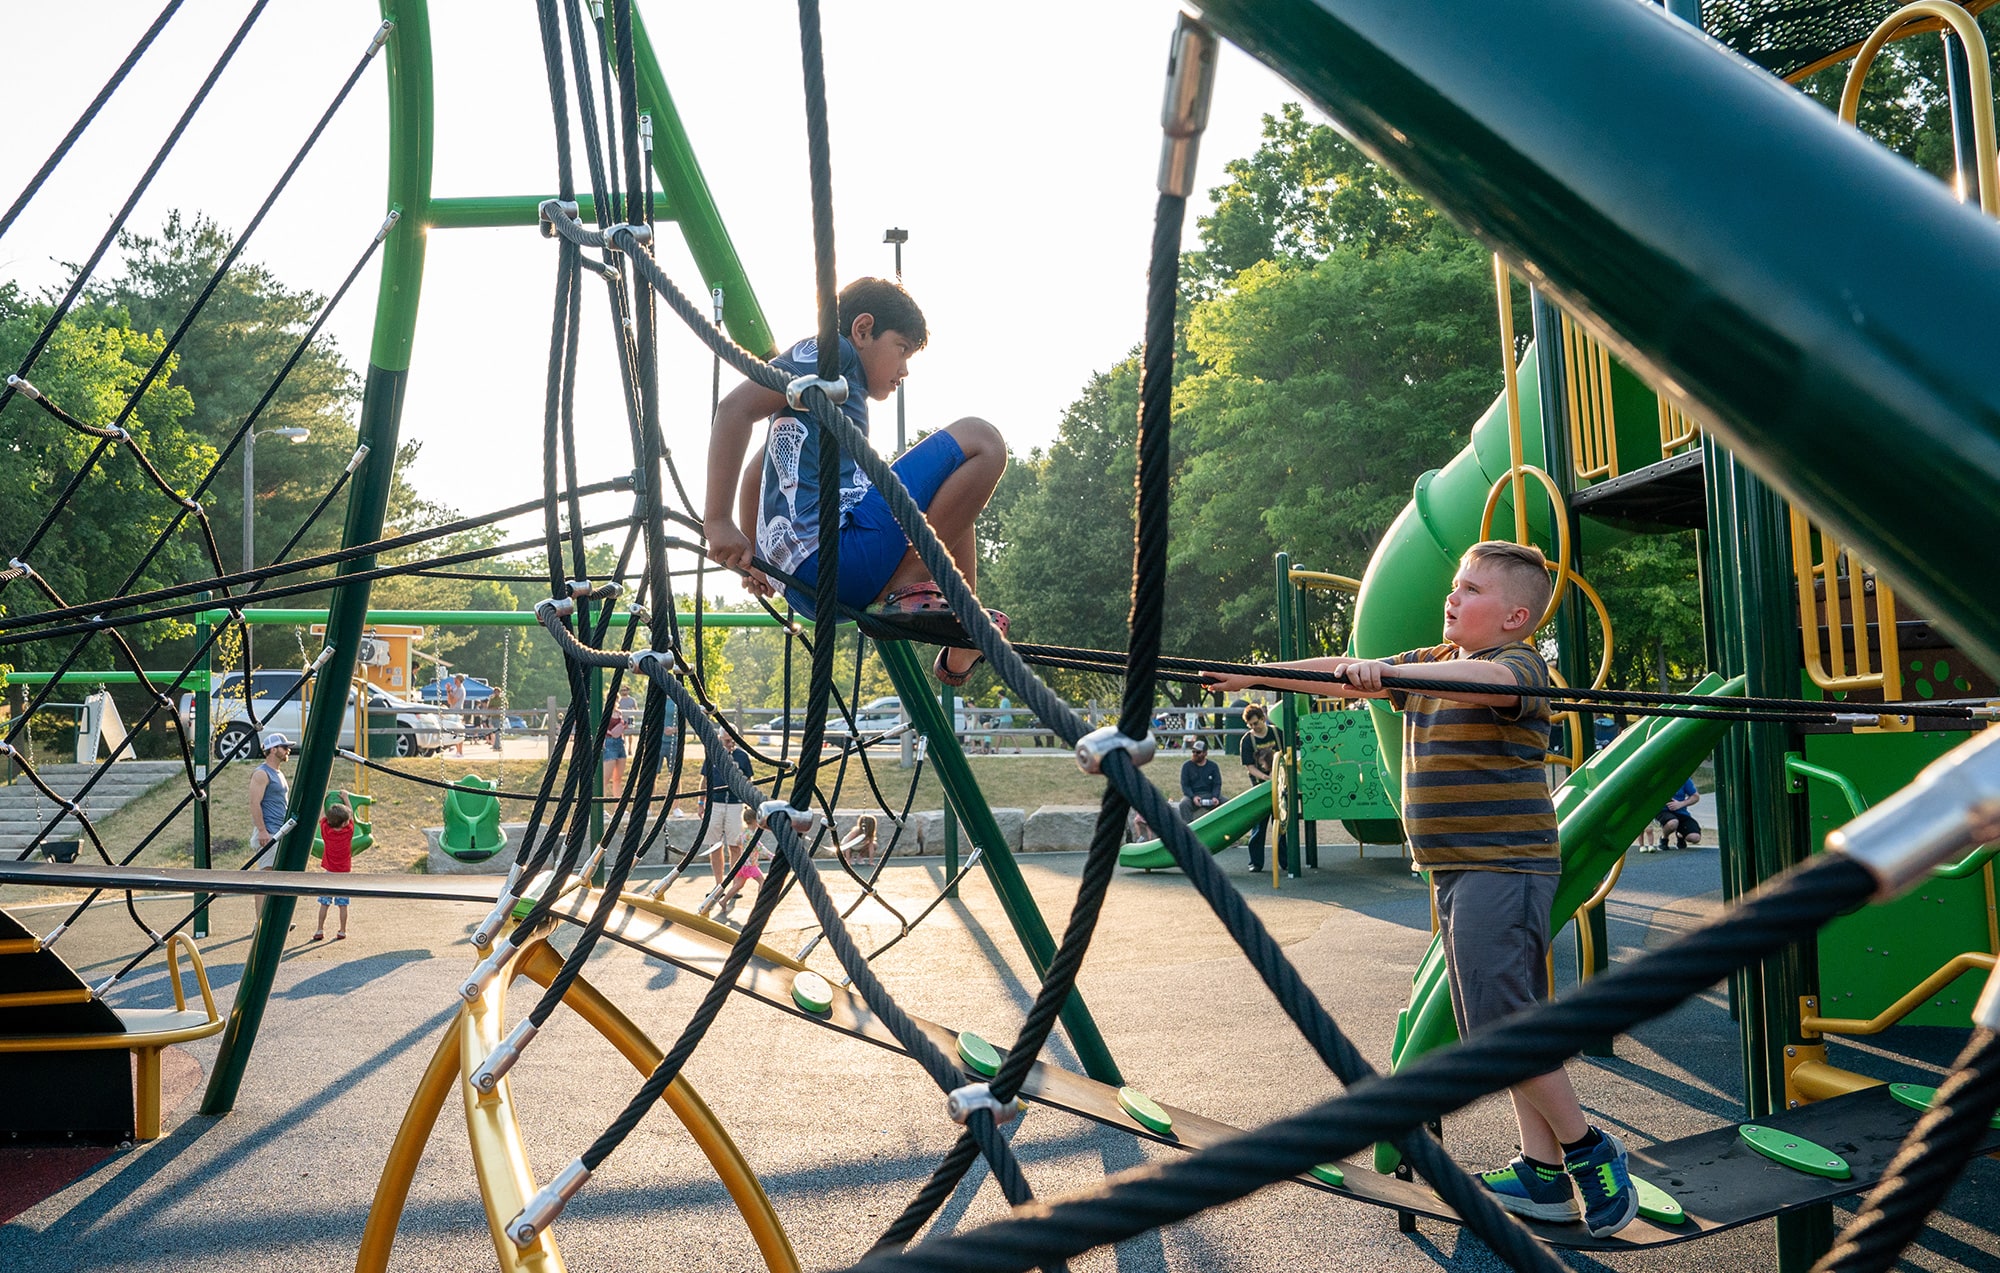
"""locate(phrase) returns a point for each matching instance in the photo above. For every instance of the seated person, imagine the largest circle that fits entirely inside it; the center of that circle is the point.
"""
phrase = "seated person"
(1201, 782)
(950, 474)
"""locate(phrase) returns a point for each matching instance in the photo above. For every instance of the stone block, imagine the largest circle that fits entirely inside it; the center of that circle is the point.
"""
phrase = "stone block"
(1060, 828)
(930, 830)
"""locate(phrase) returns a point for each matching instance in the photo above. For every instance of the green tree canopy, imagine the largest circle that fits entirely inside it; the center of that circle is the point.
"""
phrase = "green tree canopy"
(91, 366)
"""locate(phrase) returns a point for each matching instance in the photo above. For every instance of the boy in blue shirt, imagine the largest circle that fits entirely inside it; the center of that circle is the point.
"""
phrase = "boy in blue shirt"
(950, 474)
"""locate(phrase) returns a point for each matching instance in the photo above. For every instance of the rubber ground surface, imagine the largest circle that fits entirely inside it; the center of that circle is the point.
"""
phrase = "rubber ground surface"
(841, 1132)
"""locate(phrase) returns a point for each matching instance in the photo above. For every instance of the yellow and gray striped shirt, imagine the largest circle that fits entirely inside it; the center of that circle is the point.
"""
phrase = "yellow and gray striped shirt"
(1475, 792)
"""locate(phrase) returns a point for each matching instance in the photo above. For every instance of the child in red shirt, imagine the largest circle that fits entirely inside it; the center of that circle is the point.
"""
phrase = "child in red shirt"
(336, 832)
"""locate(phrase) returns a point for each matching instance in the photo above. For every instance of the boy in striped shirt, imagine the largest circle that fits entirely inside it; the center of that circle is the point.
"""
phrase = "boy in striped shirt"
(1477, 812)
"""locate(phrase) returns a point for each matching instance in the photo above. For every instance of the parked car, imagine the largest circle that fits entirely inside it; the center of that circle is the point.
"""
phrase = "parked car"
(419, 730)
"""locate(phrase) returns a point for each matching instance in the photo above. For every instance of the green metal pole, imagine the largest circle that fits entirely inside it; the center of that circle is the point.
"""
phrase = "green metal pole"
(204, 691)
(965, 801)
(687, 195)
(1760, 821)
(408, 54)
(1286, 823)
(948, 705)
(475, 619)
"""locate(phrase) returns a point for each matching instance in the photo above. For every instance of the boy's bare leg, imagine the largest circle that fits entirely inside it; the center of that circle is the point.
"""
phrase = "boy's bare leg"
(319, 929)
(954, 514)
(343, 919)
(1547, 1110)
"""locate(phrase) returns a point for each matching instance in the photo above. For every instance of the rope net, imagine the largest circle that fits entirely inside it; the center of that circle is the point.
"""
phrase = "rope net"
(592, 80)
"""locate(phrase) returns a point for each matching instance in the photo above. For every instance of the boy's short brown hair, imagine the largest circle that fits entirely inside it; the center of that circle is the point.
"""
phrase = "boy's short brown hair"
(1253, 712)
(338, 815)
(894, 309)
(1522, 570)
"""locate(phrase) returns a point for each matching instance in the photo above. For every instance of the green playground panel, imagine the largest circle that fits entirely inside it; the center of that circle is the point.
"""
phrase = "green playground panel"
(1795, 1152)
(1873, 957)
(1340, 768)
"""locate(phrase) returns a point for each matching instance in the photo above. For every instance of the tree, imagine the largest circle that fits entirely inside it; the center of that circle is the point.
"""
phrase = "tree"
(1904, 105)
(228, 359)
(92, 364)
(1337, 340)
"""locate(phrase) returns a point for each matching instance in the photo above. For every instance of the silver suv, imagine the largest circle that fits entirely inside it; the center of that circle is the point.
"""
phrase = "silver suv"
(417, 730)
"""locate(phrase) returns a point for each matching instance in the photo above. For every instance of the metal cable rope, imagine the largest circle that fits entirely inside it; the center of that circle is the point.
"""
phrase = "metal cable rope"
(1932, 1158)
(89, 113)
(201, 300)
(1788, 909)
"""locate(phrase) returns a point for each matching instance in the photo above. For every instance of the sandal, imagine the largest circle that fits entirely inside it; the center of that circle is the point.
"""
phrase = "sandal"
(941, 669)
(918, 612)
(317, 937)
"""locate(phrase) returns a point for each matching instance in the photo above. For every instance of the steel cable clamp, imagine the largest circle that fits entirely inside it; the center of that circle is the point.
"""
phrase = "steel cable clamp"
(1093, 747)
(559, 607)
(795, 391)
(546, 1205)
(501, 1059)
(966, 1101)
(20, 385)
(804, 822)
(548, 210)
(642, 235)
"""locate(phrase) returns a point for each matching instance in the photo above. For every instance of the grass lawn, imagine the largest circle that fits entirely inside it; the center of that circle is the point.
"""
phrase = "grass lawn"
(402, 809)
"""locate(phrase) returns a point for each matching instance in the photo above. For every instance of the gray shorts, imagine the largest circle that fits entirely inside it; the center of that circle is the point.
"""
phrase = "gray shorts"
(1495, 929)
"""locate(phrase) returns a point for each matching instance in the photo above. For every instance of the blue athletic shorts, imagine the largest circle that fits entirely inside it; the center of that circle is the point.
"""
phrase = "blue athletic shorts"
(614, 748)
(871, 543)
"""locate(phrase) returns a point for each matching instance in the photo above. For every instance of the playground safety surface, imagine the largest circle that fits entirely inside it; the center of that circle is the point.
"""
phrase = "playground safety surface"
(841, 1133)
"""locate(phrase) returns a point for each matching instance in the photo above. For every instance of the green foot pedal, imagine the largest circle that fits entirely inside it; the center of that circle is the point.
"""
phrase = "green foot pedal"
(810, 991)
(1329, 1174)
(1795, 1152)
(1922, 1098)
(1145, 1111)
(979, 1056)
(1656, 1204)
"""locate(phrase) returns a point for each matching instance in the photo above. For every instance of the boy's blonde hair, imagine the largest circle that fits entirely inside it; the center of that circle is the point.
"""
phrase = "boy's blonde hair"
(1521, 569)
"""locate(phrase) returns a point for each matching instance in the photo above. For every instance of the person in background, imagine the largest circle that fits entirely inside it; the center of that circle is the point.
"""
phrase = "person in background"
(269, 794)
(454, 700)
(616, 723)
(728, 820)
(1259, 755)
(1201, 782)
(1675, 821)
(336, 834)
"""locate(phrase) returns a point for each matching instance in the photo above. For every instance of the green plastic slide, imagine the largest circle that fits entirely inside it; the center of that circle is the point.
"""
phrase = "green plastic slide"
(1219, 828)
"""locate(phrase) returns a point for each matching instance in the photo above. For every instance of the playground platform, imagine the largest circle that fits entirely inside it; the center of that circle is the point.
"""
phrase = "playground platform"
(842, 1133)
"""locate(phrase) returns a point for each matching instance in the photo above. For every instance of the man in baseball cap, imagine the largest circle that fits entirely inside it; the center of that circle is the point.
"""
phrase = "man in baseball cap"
(1201, 782)
(269, 794)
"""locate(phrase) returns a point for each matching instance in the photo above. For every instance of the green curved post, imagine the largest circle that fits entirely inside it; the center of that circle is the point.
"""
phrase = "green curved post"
(408, 55)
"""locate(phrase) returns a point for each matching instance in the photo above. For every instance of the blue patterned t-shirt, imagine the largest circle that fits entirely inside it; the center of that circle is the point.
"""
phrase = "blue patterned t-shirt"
(788, 501)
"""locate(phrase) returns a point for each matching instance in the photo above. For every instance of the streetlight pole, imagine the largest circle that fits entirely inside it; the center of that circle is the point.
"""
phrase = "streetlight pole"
(297, 435)
(898, 238)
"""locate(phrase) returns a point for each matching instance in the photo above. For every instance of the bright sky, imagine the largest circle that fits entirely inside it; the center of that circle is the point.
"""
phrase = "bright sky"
(1017, 146)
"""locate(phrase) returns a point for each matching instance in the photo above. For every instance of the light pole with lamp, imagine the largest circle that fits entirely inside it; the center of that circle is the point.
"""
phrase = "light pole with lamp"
(898, 238)
(295, 435)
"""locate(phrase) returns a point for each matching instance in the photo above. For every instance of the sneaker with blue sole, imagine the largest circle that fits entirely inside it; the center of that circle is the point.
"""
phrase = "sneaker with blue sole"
(1605, 1183)
(1531, 1191)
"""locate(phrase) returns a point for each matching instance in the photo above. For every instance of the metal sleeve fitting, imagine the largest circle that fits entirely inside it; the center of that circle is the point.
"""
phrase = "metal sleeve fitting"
(20, 385)
(1093, 747)
(501, 1059)
(836, 390)
(560, 607)
(354, 461)
(1952, 806)
(546, 1205)
(964, 1102)
(641, 235)
(380, 38)
(803, 821)
(1184, 114)
(486, 973)
(548, 210)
